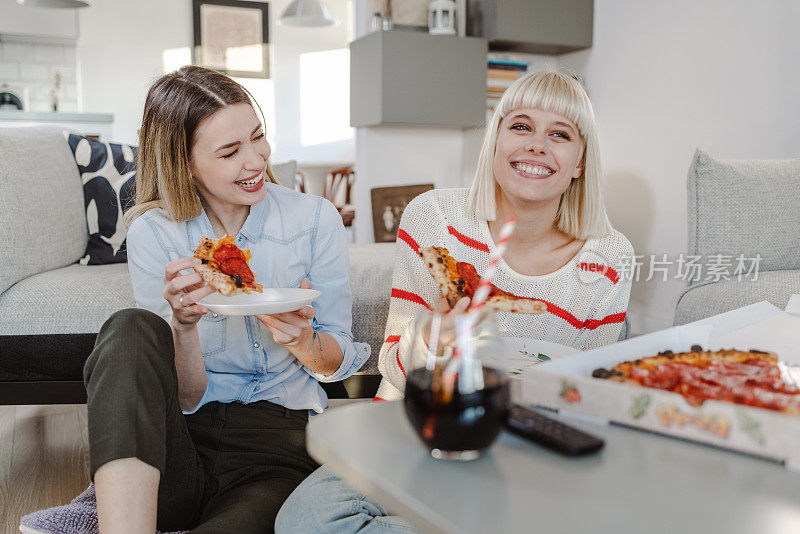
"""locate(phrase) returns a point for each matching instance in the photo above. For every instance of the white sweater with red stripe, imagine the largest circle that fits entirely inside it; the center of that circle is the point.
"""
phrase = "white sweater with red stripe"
(586, 298)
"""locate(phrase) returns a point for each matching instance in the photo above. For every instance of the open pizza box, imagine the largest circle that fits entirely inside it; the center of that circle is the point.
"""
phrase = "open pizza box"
(567, 384)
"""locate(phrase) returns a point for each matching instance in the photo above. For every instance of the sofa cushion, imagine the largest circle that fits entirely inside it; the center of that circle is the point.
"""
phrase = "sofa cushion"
(108, 175)
(371, 284)
(69, 300)
(699, 302)
(42, 220)
(284, 173)
(745, 207)
(66, 300)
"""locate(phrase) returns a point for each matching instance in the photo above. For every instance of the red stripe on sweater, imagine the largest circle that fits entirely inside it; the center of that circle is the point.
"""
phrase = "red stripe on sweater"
(605, 270)
(392, 339)
(409, 296)
(589, 324)
(399, 363)
(402, 234)
(378, 399)
(483, 247)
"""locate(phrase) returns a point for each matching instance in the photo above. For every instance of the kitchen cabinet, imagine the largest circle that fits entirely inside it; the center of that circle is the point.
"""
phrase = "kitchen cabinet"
(23, 23)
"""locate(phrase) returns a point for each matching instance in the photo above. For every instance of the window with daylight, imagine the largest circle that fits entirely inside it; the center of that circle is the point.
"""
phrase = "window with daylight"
(325, 97)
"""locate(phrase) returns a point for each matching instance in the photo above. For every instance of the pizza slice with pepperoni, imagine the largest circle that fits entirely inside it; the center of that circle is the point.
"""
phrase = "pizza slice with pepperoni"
(225, 266)
(457, 279)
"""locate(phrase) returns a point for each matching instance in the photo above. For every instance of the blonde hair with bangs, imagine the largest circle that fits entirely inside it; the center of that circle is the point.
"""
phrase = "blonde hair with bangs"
(581, 213)
(175, 106)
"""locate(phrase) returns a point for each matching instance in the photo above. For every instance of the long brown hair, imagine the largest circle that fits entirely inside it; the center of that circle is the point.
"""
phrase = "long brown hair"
(176, 104)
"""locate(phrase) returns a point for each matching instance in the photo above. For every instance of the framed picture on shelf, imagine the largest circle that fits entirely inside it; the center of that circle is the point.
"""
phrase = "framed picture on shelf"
(388, 204)
(410, 14)
(232, 36)
(413, 14)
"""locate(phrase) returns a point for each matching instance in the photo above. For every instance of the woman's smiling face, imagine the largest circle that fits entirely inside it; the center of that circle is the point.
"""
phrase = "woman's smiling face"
(538, 153)
(229, 157)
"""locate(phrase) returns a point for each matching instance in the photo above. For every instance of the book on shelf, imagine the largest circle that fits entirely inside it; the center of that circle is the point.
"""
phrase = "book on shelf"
(507, 64)
(501, 82)
(504, 74)
(500, 74)
(509, 60)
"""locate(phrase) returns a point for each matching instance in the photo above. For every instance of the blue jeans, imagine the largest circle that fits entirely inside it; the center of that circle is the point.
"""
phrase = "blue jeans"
(324, 504)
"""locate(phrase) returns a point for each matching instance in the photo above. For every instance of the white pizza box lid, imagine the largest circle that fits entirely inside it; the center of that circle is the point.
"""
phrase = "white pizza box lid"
(567, 385)
(779, 333)
(793, 306)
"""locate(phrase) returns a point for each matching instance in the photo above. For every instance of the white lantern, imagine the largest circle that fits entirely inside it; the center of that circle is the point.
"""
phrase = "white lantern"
(442, 17)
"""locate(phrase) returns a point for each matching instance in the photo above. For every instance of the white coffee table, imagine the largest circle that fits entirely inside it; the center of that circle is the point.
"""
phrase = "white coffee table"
(639, 483)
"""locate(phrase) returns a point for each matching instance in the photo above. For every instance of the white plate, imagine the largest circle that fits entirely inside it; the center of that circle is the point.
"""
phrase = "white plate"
(522, 353)
(272, 300)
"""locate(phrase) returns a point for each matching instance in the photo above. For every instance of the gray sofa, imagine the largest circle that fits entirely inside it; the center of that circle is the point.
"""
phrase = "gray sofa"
(749, 208)
(47, 299)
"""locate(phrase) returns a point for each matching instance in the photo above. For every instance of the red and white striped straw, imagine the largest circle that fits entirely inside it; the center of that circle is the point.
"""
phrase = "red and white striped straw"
(485, 284)
(473, 379)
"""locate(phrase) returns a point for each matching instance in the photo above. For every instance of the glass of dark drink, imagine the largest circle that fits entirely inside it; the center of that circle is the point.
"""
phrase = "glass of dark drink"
(456, 398)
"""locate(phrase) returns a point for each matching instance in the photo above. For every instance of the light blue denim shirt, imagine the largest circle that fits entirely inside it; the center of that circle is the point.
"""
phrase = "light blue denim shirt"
(292, 236)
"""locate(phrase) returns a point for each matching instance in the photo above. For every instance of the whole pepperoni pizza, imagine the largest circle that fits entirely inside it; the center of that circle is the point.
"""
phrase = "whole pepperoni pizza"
(753, 378)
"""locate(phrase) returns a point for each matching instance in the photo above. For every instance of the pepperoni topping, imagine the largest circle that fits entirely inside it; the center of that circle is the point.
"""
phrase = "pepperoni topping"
(225, 252)
(471, 278)
(232, 262)
(752, 382)
(237, 267)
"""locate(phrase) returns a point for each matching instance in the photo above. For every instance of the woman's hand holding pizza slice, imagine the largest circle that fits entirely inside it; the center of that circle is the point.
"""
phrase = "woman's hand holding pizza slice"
(447, 328)
(459, 279)
(183, 291)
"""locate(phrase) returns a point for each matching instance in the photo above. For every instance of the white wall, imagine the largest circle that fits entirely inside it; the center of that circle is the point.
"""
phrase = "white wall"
(120, 53)
(122, 49)
(667, 77)
(391, 156)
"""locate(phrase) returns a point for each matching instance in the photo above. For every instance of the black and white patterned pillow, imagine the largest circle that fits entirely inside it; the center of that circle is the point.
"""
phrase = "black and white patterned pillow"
(108, 172)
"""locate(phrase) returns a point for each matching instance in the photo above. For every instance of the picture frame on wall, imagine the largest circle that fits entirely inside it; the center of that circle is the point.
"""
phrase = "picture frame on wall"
(388, 204)
(232, 37)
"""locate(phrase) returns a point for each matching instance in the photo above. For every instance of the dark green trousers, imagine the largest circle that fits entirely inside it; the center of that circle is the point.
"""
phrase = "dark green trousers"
(225, 468)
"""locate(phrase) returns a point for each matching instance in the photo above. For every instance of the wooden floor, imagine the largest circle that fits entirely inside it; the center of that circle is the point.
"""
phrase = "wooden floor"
(43, 459)
(44, 454)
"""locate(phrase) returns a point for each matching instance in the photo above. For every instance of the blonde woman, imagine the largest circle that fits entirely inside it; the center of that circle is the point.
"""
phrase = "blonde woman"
(197, 420)
(540, 164)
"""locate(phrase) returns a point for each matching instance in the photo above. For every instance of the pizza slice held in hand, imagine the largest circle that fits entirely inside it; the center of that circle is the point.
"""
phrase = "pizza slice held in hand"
(459, 279)
(225, 266)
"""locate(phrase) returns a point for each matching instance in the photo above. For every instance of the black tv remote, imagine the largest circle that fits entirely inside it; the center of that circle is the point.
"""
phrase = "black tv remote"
(550, 433)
